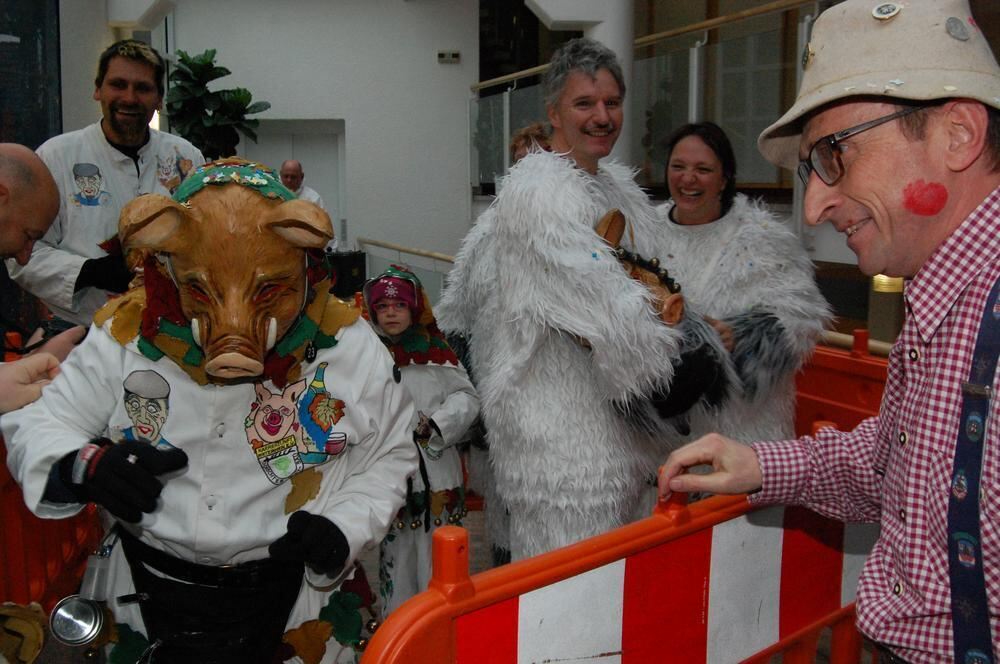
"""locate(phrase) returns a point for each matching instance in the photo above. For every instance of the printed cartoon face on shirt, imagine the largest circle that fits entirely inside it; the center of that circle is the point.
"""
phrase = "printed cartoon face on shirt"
(88, 180)
(295, 429)
(172, 169)
(147, 406)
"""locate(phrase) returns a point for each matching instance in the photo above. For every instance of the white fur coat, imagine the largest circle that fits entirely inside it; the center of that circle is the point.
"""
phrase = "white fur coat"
(530, 284)
(750, 271)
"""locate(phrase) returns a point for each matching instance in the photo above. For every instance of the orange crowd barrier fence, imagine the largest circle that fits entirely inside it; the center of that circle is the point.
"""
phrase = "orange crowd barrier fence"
(715, 581)
(41, 560)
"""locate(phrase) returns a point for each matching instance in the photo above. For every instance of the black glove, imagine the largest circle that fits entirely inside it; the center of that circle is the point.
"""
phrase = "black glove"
(699, 375)
(121, 477)
(313, 540)
(108, 272)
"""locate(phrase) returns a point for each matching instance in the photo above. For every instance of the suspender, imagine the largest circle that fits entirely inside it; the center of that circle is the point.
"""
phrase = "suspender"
(969, 607)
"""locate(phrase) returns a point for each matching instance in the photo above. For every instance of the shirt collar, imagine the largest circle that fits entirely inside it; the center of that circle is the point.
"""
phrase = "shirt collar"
(936, 287)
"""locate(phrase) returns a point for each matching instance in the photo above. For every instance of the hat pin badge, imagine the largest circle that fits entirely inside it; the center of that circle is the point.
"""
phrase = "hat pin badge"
(886, 10)
(956, 29)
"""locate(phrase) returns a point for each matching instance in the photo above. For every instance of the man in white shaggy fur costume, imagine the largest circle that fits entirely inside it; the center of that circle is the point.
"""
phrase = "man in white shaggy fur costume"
(576, 372)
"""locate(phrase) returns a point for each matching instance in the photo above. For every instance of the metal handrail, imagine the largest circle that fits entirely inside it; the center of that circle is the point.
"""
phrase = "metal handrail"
(648, 40)
(829, 338)
(406, 250)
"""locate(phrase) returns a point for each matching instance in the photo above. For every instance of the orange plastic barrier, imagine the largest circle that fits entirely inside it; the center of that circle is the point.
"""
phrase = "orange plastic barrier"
(41, 560)
(840, 386)
(711, 582)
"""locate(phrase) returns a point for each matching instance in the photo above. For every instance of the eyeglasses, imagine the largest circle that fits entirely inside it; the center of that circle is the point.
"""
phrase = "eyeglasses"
(824, 155)
(386, 306)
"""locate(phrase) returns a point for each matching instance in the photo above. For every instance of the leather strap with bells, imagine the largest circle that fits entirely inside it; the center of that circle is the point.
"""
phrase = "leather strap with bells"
(667, 298)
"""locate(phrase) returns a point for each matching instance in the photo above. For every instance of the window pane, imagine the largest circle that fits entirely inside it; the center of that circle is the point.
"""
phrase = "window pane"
(30, 110)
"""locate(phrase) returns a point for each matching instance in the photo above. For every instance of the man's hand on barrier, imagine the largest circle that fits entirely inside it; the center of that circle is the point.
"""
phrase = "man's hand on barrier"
(313, 540)
(122, 477)
(735, 468)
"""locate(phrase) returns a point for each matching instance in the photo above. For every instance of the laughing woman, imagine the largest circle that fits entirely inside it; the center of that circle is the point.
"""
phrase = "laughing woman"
(749, 273)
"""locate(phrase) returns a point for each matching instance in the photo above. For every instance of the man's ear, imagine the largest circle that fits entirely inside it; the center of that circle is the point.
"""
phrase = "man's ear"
(965, 124)
(550, 112)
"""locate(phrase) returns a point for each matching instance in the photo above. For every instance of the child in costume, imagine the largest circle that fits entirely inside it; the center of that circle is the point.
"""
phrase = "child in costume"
(447, 406)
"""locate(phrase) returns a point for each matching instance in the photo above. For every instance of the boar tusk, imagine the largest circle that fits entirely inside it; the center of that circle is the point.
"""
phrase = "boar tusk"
(196, 332)
(272, 333)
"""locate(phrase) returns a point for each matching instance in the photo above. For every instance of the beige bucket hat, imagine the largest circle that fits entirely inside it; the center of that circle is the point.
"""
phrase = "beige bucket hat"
(918, 49)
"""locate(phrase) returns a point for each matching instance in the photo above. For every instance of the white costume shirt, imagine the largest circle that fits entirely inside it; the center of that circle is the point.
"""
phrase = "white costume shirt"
(531, 287)
(307, 193)
(224, 508)
(89, 216)
(443, 393)
(747, 262)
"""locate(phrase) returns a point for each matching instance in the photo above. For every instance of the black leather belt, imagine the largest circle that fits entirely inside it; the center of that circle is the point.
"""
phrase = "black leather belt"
(252, 574)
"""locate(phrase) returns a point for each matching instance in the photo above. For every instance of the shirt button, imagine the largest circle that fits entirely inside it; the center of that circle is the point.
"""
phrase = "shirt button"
(902, 515)
(902, 438)
(898, 588)
(220, 429)
(914, 354)
(211, 501)
(205, 560)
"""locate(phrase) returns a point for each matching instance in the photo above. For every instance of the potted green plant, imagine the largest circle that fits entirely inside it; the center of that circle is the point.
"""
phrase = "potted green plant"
(210, 120)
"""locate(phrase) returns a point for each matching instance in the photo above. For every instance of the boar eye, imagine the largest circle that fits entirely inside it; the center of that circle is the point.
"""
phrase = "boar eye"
(268, 292)
(197, 292)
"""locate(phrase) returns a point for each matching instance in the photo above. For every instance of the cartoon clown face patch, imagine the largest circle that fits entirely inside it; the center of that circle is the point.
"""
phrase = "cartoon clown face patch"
(293, 430)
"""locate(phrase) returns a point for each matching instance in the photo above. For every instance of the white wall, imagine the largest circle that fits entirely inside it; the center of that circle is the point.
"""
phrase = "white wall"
(83, 34)
(372, 64)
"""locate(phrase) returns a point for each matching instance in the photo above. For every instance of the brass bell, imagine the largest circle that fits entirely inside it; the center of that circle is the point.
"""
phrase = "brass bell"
(362, 644)
(437, 522)
(416, 524)
(400, 525)
(371, 625)
(654, 262)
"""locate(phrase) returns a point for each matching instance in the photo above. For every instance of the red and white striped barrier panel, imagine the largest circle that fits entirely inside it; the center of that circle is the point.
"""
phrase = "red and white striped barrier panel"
(713, 582)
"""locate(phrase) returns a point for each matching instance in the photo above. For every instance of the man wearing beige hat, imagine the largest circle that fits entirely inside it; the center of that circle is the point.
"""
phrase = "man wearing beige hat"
(896, 134)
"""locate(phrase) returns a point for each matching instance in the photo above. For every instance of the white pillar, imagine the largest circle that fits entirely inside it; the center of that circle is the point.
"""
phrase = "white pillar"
(611, 22)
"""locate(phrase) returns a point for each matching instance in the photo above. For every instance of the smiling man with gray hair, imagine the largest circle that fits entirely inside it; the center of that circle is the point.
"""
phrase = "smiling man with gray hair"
(578, 376)
(896, 135)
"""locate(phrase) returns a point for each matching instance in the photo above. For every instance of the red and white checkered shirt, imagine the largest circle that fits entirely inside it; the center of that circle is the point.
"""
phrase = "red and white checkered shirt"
(896, 468)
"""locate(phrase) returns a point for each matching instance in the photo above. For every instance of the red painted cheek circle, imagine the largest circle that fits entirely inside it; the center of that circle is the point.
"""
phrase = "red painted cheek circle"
(925, 198)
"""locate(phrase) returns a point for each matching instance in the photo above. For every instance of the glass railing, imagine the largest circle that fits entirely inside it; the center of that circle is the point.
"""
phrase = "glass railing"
(740, 80)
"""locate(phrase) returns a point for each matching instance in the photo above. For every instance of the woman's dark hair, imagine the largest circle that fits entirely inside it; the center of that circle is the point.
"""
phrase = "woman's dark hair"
(711, 135)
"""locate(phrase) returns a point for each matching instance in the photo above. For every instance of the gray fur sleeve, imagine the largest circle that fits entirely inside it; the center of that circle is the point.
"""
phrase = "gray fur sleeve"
(557, 277)
(471, 274)
(761, 354)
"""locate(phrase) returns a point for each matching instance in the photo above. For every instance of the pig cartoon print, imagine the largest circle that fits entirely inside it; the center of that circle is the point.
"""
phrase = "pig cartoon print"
(294, 429)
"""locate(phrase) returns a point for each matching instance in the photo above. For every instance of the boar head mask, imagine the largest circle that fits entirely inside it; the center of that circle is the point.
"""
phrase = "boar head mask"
(234, 242)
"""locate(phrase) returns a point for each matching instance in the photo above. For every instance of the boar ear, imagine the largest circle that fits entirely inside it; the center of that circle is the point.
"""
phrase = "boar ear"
(149, 222)
(302, 223)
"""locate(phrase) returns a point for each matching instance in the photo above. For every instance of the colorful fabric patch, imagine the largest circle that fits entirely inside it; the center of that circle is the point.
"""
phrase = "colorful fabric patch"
(294, 430)
(249, 174)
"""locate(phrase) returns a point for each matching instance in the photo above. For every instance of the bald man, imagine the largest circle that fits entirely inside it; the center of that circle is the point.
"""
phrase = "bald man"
(29, 201)
(292, 176)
